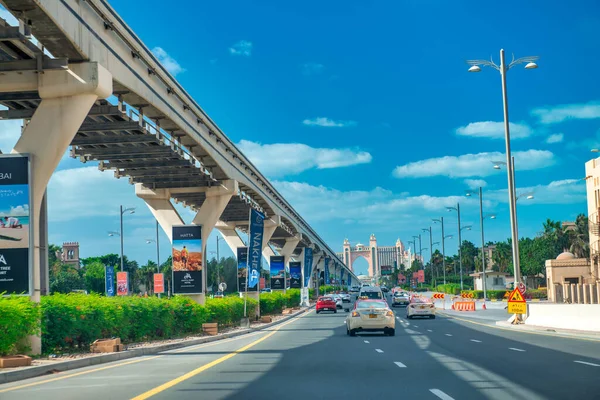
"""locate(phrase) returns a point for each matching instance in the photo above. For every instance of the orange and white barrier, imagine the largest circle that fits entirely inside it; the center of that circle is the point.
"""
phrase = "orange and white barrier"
(464, 306)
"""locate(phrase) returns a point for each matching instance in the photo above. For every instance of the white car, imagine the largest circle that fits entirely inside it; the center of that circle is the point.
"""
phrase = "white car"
(338, 300)
(420, 307)
(371, 316)
(346, 298)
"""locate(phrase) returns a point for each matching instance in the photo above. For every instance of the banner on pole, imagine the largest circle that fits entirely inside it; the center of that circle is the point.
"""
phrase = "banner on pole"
(277, 269)
(255, 241)
(159, 283)
(17, 237)
(308, 260)
(109, 280)
(327, 270)
(295, 275)
(187, 259)
(421, 276)
(122, 283)
(242, 260)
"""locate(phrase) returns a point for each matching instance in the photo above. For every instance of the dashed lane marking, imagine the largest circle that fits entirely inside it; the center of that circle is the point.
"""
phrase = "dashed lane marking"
(515, 349)
(587, 363)
(475, 340)
(379, 350)
(399, 364)
(448, 334)
(366, 341)
(441, 394)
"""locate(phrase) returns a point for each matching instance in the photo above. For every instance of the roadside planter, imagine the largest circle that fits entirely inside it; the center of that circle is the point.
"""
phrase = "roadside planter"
(15, 361)
(210, 328)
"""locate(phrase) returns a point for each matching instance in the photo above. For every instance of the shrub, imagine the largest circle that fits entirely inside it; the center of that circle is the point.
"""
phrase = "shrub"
(450, 288)
(229, 311)
(541, 293)
(275, 302)
(19, 317)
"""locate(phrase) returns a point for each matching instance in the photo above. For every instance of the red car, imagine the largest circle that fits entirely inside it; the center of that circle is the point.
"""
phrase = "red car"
(326, 303)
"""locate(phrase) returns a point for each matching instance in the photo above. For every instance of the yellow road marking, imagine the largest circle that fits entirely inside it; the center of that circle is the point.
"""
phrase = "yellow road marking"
(74, 375)
(521, 331)
(202, 345)
(211, 364)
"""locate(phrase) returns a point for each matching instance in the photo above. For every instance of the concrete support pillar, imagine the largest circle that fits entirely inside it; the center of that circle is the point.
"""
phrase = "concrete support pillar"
(216, 200)
(231, 236)
(159, 203)
(289, 247)
(67, 97)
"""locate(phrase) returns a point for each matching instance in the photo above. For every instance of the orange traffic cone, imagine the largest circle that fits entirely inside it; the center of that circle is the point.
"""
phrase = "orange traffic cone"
(484, 307)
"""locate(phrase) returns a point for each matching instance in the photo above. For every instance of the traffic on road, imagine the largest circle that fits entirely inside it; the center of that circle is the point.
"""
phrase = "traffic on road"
(323, 355)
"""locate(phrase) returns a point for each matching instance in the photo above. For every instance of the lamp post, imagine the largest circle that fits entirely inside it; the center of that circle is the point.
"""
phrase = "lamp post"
(514, 220)
(457, 209)
(441, 220)
(481, 218)
(430, 249)
(148, 241)
(130, 210)
(420, 248)
(503, 69)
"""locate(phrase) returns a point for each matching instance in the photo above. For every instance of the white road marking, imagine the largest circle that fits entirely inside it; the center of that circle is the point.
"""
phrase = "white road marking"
(379, 350)
(441, 394)
(366, 341)
(429, 330)
(587, 363)
(416, 326)
(512, 348)
(475, 340)
(447, 334)
(398, 363)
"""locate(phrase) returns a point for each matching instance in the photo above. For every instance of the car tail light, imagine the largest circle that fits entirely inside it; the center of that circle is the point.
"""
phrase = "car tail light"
(431, 306)
(389, 313)
(355, 314)
(412, 306)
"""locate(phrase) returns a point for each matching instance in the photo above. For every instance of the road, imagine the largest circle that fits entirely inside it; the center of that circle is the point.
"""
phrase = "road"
(311, 357)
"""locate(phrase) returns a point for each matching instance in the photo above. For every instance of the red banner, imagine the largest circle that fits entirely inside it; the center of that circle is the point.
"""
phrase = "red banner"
(401, 278)
(122, 284)
(159, 283)
(421, 276)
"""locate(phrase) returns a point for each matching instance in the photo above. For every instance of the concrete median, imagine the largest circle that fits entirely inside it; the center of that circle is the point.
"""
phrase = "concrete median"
(583, 317)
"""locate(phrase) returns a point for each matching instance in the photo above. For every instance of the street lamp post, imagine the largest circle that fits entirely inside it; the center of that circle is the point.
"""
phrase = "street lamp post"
(430, 249)
(157, 250)
(457, 209)
(130, 210)
(441, 220)
(503, 69)
(420, 249)
(481, 218)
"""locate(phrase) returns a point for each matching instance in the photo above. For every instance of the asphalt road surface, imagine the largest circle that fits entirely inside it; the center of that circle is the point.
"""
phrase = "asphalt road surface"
(311, 357)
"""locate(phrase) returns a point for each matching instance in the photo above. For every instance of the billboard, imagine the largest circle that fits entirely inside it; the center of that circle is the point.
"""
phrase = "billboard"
(188, 259)
(16, 236)
(242, 261)
(277, 272)
(386, 270)
(295, 275)
(401, 278)
(421, 276)
(255, 242)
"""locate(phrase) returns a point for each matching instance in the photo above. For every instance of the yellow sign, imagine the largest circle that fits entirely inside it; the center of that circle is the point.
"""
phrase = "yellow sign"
(517, 308)
(516, 297)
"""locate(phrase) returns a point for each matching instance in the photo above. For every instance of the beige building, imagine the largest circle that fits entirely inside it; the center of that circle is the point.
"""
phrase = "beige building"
(592, 173)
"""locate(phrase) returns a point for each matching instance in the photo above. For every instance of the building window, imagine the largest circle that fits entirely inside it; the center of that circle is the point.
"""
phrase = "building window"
(571, 281)
(498, 281)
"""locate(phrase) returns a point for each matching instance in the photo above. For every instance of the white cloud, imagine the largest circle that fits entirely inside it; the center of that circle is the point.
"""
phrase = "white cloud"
(471, 165)
(494, 130)
(319, 204)
(167, 61)
(555, 138)
(241, 48)
(475, 183)
(565, 191)
(312, 68)
(280, 159)
(563, 112)
(328, 123)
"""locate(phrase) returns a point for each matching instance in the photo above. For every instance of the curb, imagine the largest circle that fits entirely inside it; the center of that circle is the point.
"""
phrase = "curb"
(549, 330)
(61, 366)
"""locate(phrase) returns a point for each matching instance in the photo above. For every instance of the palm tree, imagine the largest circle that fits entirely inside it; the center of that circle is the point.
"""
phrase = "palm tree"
(579, 238)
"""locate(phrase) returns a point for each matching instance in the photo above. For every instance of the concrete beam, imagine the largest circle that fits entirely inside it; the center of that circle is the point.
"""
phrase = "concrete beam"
(159, 203)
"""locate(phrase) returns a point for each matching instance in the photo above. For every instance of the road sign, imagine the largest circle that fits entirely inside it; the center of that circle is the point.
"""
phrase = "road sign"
(516, 297)
(516, 303)
(522, 288)
(222, 286)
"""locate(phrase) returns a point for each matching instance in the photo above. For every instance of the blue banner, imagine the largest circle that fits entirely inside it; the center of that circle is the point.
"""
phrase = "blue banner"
(342, 276)
(349, 280)
(295, 275)
(327, 270)
(255, 242)
(110, 280)
(308, 260)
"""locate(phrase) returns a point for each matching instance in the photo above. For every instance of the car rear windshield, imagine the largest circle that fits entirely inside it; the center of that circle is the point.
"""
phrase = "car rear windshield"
(400, 294)
(372, 304)
(371, 295)
(325, 299)
(420, 300)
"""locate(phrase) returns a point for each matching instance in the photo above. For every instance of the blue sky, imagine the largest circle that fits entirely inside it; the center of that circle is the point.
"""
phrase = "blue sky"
(363, 114)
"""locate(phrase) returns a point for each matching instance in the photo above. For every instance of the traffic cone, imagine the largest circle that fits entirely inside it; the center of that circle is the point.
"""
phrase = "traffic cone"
(484, 307)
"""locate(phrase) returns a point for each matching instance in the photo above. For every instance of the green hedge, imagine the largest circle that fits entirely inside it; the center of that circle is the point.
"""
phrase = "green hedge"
(537, 294)
(450, 288)
(275, 302)
(19, 318)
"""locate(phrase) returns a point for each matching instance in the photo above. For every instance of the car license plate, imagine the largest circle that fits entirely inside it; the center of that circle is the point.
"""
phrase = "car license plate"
(372, 315)
(422, 307)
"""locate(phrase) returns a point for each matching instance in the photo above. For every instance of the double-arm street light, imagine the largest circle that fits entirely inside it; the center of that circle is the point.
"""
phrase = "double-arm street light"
(130, 210)
(420, 248)
(148, 241)
(503, 69)
(441, 220)
(481, 218)
(457, 209)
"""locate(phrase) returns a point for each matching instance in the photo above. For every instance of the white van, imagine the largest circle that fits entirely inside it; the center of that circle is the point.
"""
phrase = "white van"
(370, 292)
